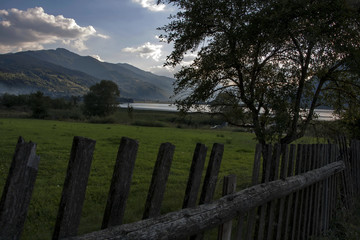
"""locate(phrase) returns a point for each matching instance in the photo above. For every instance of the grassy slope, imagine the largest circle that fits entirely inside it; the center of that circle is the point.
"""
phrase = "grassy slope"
(54, 141)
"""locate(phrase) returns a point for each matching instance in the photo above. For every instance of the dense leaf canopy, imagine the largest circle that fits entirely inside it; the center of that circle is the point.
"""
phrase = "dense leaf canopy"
(101, 99)
(274, 58)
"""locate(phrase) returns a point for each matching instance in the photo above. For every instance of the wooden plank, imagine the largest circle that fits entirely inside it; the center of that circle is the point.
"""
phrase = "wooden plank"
(120, 183)
(254, 181)
(295, 218)
(158, 181)
(354, 166)
(326, 193)
(229, 187)
(289, 198)
(271, 222)
(212, 172)
(239, 227)
(354, 154)
(317, 190)
(210, 180)
(321, 192)
(311, 193)
(307, 193)
(194, 180)
(356, 151)
(180, 224)
(283, 175)
(18, 190)
(348, 190)
(333, 197)
(302, 195)
(73, 194)
(267, 156)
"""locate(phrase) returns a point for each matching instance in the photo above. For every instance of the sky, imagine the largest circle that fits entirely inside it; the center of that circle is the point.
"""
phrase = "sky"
(115, 31)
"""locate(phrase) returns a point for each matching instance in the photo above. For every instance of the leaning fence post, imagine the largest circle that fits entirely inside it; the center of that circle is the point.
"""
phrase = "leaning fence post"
(158, 181)
(18, 190)
(120, 183)
(210, 180)
(194, 181)
(212, 172)
(255, 180)
(229, 187)
(73, 194)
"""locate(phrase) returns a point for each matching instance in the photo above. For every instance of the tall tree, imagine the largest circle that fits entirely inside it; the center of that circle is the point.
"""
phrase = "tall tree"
(39, 104)
(276, 58)
(101, 99)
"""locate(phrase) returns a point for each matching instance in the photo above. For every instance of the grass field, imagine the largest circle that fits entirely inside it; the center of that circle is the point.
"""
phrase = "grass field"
(54, 139)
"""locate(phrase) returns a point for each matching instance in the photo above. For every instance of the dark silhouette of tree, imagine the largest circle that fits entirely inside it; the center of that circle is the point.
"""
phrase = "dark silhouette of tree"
(101, 99)
(275, 59)
(39, 104)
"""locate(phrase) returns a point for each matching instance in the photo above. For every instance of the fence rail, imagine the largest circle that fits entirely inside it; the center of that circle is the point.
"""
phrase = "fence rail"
(294, 193)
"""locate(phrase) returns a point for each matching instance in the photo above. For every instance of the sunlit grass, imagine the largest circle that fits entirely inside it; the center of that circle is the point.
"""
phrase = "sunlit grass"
(54, 140)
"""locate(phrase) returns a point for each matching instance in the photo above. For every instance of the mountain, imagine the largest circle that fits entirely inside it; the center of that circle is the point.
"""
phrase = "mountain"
(40, 66)
(21, 74)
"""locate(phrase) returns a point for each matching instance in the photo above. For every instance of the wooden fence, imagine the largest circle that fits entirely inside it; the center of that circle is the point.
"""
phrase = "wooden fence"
(295, 191)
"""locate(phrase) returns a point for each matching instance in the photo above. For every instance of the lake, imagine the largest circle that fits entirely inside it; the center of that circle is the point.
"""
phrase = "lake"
(323, 114)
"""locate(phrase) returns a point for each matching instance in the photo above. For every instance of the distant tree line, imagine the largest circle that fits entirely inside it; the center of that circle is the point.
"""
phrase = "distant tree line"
(38, 103)
(101, 100)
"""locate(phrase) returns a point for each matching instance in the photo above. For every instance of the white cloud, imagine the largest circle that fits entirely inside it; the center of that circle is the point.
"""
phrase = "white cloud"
(147, 50)
(33, 28)
(151, 5)
(164, 70)
(188, 59)
(97, 57)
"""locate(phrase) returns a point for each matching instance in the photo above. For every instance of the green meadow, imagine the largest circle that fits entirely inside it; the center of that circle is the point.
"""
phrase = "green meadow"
(54, 140)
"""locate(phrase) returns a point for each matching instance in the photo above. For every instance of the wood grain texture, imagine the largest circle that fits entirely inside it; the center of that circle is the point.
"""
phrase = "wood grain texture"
(178, 225)
(18, 190)
(158, 181)
(120, 183)
(73, 194)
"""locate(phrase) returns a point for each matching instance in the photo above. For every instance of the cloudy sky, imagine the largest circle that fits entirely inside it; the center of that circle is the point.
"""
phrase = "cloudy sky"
(116, 31)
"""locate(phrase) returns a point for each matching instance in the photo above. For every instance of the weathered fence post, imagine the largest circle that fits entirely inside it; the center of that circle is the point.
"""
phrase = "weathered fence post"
(212, 172)
(210, 180)
(254, 181)
(18, 190)
(355, 161)
(158, 181)
(318, 187)
(274, 175)
(189, 221)
(194, 180)
(267, 153)
(295, 204)
(289, 199)
(229, 187)
(283, 175)
(120, 183)
(74, 189)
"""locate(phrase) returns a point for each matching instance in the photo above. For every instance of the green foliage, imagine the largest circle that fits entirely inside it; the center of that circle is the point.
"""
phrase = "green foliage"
(102, 99)
(9, 100)
(227, 105)
(276, 59)
(345, 225)
(50, 81)
(39, 105)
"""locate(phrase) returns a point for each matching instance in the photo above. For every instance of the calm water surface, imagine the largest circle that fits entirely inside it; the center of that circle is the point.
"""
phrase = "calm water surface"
(323, 114)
